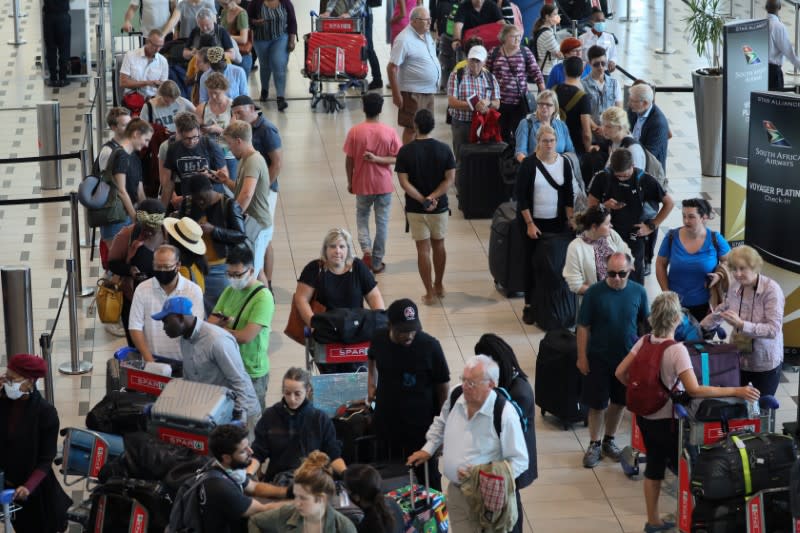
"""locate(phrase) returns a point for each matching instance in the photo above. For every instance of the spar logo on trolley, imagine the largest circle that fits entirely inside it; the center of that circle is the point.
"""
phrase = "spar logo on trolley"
(195, 442)
(713, 432)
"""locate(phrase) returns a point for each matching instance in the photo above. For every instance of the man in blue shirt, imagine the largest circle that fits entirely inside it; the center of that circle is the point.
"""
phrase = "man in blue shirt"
(607, 329)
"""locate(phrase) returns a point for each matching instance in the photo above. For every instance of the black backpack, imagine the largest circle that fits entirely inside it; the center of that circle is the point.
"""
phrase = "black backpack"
(187, 514)
(499, 404)
(533, 44)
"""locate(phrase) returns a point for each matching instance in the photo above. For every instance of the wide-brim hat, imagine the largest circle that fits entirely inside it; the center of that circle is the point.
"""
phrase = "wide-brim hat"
(187, 232)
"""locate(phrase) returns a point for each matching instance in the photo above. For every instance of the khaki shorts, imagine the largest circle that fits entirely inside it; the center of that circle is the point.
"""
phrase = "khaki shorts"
(412, 102)
(426, 226)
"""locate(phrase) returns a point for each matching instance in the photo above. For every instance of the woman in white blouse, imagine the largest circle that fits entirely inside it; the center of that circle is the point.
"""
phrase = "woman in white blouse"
(586, 255)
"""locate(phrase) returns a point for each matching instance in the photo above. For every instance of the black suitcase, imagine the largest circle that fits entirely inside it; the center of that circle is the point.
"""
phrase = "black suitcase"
(718, 473)
(123, 504)
(480, 187)
(119, 412)
(558, 382)
(719, 517)
(505, 244)
(555, 306)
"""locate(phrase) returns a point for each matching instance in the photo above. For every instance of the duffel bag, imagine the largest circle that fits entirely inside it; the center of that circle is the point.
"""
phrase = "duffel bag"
(147, 457)
(742, 464)
(119, 412)
(347, 326)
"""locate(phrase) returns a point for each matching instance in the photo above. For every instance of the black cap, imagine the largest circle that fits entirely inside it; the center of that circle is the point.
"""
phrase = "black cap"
(243, 99)
(403, 315)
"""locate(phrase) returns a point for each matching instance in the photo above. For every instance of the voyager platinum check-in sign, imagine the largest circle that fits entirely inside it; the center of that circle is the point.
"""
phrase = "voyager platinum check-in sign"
(773, 178)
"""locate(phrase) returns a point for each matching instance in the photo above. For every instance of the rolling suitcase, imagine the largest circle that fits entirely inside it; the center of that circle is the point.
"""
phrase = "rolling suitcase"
(423, 508)
(505, 243)
(558, 382)
(480, 186)
(555, 306)
(131, 505)
(330, 55)
(187, 412)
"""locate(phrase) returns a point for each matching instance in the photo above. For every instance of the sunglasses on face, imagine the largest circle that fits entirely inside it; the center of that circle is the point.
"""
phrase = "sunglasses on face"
(599, 64)
(622, 274)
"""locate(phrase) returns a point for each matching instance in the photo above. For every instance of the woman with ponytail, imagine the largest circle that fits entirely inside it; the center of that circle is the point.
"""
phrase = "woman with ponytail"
(311, 511)
(381, 513)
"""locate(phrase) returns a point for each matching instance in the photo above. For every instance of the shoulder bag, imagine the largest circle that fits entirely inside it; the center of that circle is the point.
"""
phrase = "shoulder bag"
(295, 327)
(113, 210)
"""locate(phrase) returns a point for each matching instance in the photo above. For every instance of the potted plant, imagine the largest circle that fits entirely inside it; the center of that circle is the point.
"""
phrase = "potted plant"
(704, 27)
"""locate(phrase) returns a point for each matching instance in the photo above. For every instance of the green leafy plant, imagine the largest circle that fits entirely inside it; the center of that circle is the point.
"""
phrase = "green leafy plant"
(704, 26)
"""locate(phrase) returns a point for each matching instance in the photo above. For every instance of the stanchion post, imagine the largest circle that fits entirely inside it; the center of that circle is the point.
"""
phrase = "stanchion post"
(628, 17)
(16, 15)
(17, 309)
(796, 31)
(48, 130)
(74, 366)
(752, 9)
(103, 86)
(575, 28)
(99, 118)
(46, 345)
(87, 160)
(665, 50)
(76, 246)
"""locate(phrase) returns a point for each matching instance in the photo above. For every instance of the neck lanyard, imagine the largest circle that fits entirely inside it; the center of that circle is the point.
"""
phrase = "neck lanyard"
(755, 289)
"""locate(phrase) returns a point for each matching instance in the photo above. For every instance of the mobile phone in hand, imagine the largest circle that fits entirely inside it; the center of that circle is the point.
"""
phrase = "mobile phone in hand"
(427, 203)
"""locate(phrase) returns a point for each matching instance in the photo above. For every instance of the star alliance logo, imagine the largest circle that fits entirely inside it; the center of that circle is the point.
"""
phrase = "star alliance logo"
(774, 136)
(750, 56)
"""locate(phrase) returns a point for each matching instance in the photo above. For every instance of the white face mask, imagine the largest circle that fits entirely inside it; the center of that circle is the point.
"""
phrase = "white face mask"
(239, 283)
(13, 391)
(239, 475)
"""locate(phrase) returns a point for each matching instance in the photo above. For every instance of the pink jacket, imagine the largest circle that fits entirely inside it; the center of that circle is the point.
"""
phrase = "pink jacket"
(763, 321)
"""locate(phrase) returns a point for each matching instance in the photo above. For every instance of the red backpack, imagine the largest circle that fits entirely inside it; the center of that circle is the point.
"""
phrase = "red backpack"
(646, 393)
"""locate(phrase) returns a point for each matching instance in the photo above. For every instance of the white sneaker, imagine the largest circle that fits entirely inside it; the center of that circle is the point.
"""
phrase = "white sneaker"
(115, 329)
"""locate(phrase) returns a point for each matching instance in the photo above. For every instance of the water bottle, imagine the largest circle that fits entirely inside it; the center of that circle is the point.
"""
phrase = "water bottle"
(753, 409)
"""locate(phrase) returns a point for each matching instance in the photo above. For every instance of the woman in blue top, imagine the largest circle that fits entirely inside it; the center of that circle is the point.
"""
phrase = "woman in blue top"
(691, 252)
(546, 113)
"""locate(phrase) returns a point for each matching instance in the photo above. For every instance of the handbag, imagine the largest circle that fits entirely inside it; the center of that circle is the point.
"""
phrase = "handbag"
(109, 301)
(93, 192)
(527, 99)
(295, 327)
(113, 210)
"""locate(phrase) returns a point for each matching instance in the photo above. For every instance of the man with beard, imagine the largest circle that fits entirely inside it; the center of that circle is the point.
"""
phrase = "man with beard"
(210, 355)
(409, 380)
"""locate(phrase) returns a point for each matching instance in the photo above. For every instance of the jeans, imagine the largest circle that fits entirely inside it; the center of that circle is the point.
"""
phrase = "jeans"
(274, 56)
(216, 281)
(233, 167)
(372, 57)
(383, 206)
(109, 231)
(260, 385)
(247, 64)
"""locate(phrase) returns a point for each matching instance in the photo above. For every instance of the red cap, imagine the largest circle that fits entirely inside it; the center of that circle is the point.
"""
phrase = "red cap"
(28, 366)
(570, 43)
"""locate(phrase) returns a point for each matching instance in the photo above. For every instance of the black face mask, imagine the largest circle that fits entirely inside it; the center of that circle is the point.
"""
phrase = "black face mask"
(165, 277)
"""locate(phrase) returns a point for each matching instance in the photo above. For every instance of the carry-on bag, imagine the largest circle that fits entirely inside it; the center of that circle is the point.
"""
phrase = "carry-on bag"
(743, 464)
(424, 508)
(119, 412)
(558, 382)
(132, 505)
(480, 187)
(187, 411)
(505, 244)
(329, 55)
(554, 306)
(715, 364)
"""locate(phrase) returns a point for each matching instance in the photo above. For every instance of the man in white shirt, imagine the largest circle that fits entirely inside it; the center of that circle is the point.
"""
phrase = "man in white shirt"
(154, 14)
(148, 334)
(597, 35)
(414, 71)
(144, 69)
(466, 431)
(779, 46)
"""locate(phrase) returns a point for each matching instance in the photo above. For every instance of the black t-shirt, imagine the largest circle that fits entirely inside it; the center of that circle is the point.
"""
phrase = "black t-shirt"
(583, 106)
(605, 186)
(223, 505)
(131, 166)
(466, 14)
(187, 161)
(407, 379)
(339, 291)
(425, 161)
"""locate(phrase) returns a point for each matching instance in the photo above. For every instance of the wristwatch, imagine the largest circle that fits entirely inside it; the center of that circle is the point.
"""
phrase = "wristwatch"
(650, 224)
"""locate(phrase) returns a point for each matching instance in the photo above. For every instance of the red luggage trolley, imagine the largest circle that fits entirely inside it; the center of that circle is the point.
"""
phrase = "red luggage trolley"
(336, 53)
(318, 354)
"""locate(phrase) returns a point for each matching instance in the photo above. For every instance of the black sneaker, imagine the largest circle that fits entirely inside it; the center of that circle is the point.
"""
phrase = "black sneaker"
(375, 84)
(64, 82)
(528, 315)
(264, 95)
(282, 104)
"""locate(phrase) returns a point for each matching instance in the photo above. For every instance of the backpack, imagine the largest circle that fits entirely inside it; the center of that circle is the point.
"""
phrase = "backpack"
(646, 393)
(499, 404)
(562, 111)
(451, 19)
(111, 143)
(652, 165)
(149, 156)
(534, 46)
(580, 196)
(114, 210)
(187, 514)
(671, 237)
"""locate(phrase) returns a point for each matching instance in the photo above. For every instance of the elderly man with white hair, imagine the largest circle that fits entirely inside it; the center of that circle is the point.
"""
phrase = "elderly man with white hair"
(650, 126)
(467, 432)
(207, 25)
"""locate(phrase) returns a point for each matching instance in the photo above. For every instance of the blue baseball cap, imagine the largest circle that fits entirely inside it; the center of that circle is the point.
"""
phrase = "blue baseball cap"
(179, 305)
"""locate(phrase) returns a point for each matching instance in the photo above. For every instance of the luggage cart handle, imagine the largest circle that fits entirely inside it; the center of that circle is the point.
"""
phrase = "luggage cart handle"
(768, 402)
(681, 411)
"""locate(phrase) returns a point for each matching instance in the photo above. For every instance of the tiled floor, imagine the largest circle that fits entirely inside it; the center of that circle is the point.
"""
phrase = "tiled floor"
(566, 497)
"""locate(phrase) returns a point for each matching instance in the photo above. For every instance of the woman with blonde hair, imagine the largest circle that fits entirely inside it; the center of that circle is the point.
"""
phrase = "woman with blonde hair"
(313, 491)
(659, 429)
(615, 127)
(754, 307)
(546, 114)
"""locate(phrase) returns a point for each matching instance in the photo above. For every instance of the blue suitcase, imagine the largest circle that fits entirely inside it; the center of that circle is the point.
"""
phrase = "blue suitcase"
(85, 452)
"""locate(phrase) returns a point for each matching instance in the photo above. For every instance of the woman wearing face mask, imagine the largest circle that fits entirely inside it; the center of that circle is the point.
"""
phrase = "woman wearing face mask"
(28, 444)
(754, 307)
(688, 257)
(131, 255)
(291, 429)
(311, 511)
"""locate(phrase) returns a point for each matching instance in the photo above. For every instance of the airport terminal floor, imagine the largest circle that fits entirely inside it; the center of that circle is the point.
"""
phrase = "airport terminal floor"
(313, 198)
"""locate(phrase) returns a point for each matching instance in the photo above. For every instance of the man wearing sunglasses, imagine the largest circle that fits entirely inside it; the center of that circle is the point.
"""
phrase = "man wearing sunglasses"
(608, 323)
(603, 90)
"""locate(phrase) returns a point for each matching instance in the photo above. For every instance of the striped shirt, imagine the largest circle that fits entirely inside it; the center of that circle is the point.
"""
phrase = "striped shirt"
(275, 23)
(512, 73)
(485, 86)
